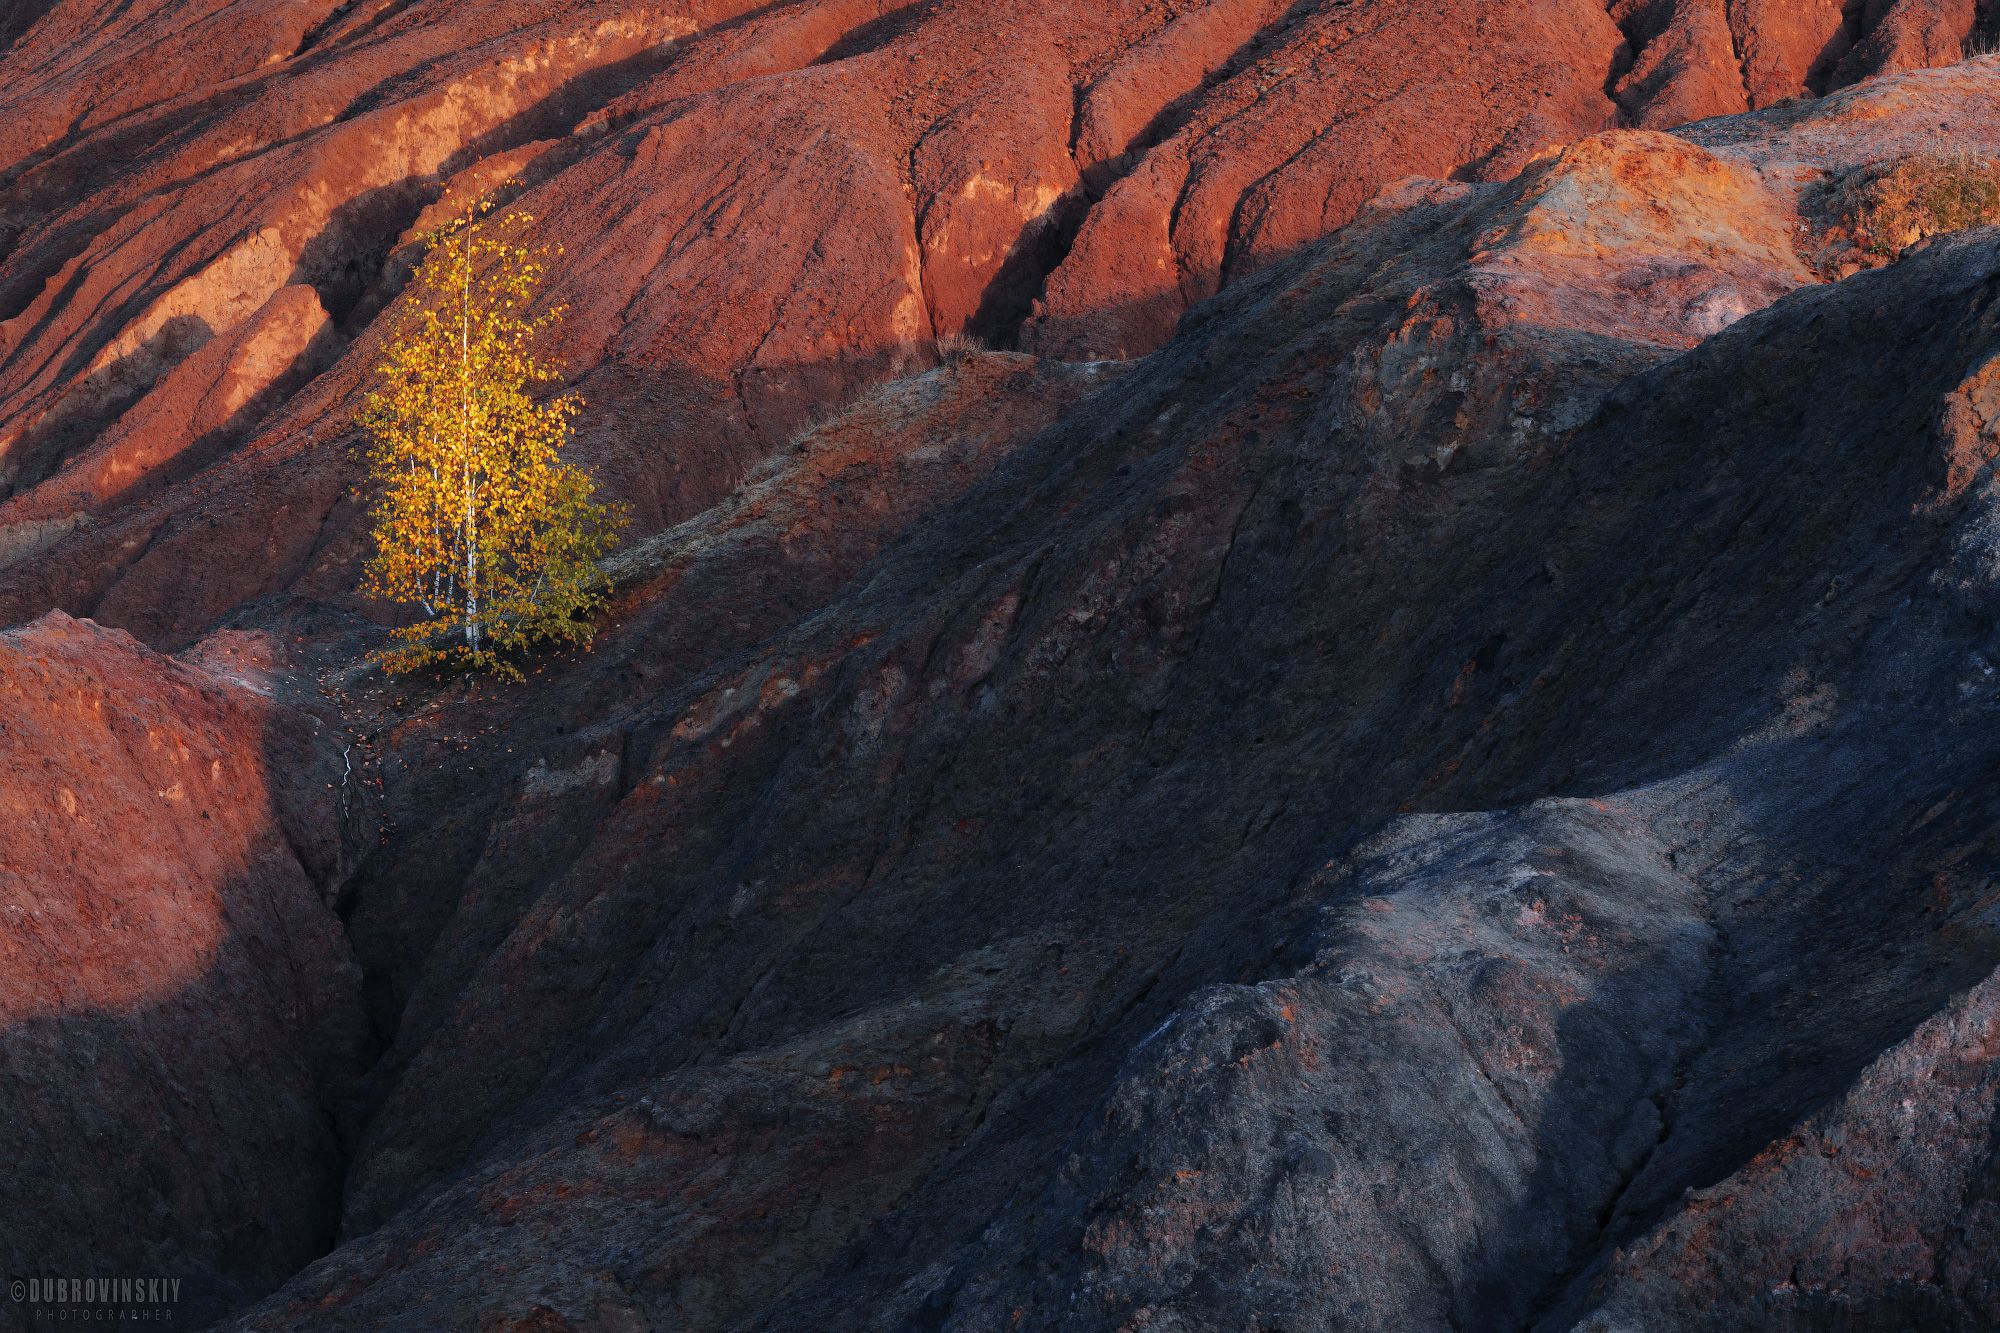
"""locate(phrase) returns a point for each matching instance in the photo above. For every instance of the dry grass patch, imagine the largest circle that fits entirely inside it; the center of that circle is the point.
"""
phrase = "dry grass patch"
(1872, 215)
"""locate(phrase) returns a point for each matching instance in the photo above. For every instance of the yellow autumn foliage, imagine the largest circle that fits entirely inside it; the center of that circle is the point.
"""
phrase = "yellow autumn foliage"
(477, 522)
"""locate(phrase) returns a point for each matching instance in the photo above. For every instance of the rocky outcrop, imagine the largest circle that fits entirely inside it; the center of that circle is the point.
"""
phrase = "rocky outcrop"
(1077, 914)
(1450, 792)
(1878, 1211)
(180, 1015)
(1689, 59)
(786, 543)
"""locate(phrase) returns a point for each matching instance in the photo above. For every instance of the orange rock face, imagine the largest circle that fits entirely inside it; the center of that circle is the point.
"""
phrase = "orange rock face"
(1291, 137)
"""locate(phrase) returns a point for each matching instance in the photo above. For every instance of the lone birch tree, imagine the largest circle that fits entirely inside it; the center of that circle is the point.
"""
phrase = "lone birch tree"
(477, 521)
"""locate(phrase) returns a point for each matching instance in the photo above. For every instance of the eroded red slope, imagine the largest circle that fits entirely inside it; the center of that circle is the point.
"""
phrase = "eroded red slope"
(763, 208)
